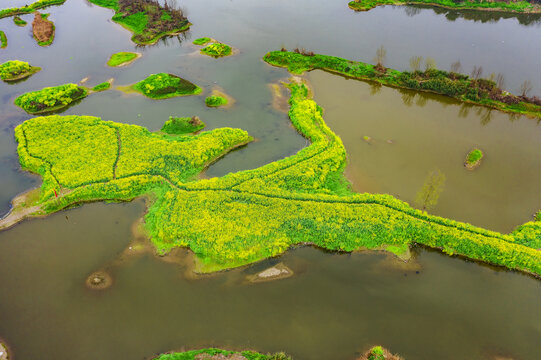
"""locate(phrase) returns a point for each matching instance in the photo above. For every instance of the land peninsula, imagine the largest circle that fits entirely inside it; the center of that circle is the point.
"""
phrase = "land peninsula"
(164, 86)
(28, 9)
(476, 91)
(147, 19)
(239, 218)
(15, 70)
(483, 5)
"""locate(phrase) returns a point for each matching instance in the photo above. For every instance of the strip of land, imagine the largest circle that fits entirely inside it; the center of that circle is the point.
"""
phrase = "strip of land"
(483, 5)
(476, 91)
(28, 9)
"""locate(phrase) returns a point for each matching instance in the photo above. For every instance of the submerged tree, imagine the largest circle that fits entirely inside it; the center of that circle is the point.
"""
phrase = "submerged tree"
(429, 194)
(430, 64)
(500, 80)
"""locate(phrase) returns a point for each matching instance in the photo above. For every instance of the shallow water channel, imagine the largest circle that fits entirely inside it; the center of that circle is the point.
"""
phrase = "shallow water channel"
(336, 305)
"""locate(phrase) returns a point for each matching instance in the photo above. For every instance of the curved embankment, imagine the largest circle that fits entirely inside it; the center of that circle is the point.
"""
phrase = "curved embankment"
(28, 9)
(500, 6)
(482, 92)
(250, 215)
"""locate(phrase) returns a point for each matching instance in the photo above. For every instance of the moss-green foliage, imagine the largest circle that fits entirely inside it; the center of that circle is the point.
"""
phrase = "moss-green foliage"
(216, 50)
(3, 40)
(376, 353)
(215, 101)
(162, 86)
(121, 58)
(182, 125)
(147, 19)
(474, 156)
(50, 98)
(461, 87)
(507, 6)
(102, 87)
(249, 215)
(202, 41)
(18, 21)
(27, 9)
(15, 70)
(250, 355)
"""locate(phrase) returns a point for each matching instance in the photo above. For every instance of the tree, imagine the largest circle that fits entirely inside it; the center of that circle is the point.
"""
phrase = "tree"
(415, 63)
(430, 64)
(456, 67)
(381, 53)
(526, 87)
(500, 81)
(429, 194)
(477, 72)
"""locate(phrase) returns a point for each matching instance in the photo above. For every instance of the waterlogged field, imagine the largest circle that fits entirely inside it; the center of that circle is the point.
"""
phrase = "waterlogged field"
(395, 142)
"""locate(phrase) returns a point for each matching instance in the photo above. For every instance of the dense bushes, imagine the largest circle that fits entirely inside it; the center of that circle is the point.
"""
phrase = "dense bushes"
(162, 86)
(27, 9)
(16, 70)
(182, 125)
(122, 58)
(50, 98)
(508, 6)
(461, 87)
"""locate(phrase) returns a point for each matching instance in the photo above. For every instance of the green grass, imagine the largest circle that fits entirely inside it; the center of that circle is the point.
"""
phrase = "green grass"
(249, 355)
(182, 125)
(502, 6)
(147, 19)
(3, 40)
(14, 70)
(121, 58)
(217, 50)
(250, 215)
(28, 9)
(102, 87)
(51, 38)
(163, 86)
(215, 101)
(18, 21)
(482, 92)
(202, 41)
(50, 98)
(474, 158)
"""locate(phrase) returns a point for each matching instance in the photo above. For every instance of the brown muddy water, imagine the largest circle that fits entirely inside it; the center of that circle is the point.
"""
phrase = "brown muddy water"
(336, 305)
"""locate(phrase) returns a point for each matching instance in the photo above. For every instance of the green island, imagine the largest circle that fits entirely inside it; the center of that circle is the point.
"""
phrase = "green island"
(147, 19)
(215, 101)
(202, 41)
(217, 50)
(473, 159)
(14, 70)
(164, 86)
(28, 9)
(239, 219)
(102, 87)
(43, 29)
(476, 91)
(182, 125)
(18, 21)
(3, 40)
(123, 58)
(485, 5)
(375, 353)
(50, 99)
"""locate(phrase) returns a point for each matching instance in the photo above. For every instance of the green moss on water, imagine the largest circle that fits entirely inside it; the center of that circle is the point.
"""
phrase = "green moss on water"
(121, 58)
(217, 50)
(102, 87)
(502, 6)
(28, 9)
(202, 41)
(182, 125)
(215, 101)
(14, 70)
(163, 86)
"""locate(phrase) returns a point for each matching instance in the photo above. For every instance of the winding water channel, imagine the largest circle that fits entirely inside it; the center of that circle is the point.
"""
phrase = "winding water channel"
(336, 305)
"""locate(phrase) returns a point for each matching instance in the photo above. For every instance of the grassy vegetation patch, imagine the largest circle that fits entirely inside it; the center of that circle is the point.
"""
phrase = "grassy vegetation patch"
(3, 40)
(202, 41)
(18, 21)
(147, 19)
(218, 354)
(14, 70)
(473, 159)
(215, 101)
(122, 58)
(50, 98)
(27, 9)
(504, 6)
(162, 86)
(476, 90)
(102, 87)
(217, 50)
(182, 125)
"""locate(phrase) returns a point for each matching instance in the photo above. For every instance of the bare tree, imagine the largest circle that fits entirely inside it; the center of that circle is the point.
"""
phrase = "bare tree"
(381, 54)
(430, 64)
(456, 67)
(526, 87)
(500, 81)
(477, 72)
(415, 63)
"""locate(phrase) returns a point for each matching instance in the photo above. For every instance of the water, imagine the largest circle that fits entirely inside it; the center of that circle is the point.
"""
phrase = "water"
(336, 305)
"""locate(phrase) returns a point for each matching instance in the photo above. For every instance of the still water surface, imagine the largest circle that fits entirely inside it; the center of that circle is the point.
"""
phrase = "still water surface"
(337, 304)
